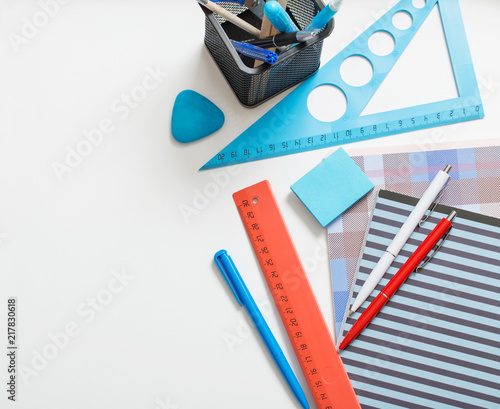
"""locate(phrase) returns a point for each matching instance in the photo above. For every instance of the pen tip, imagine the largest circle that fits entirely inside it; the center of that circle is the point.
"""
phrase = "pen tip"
(451, 216)
(336, 4)
(350, 312)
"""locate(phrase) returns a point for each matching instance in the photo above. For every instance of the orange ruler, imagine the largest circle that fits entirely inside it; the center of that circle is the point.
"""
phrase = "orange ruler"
(293, 295)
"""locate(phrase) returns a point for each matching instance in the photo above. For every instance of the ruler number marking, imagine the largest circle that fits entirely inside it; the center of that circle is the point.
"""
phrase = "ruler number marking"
(364, 132)
(264, 251)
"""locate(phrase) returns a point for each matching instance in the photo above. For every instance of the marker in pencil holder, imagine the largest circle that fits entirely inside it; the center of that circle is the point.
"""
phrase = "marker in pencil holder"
(254, 85)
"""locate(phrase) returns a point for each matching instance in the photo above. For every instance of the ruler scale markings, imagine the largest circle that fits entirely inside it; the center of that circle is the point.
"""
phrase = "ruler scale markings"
(299, 311)
(251, 153)
(290, 128)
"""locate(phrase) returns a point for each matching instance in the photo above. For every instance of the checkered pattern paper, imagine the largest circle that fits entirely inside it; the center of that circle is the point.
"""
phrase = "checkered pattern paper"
(474, 186)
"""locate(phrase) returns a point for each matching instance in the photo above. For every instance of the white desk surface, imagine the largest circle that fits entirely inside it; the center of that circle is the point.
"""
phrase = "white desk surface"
(170, 334)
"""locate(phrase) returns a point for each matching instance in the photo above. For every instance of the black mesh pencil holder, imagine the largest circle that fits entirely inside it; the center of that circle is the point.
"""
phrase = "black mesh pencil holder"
(253, 86)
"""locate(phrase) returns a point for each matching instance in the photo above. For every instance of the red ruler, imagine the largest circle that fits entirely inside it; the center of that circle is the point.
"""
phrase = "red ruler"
(293, 295)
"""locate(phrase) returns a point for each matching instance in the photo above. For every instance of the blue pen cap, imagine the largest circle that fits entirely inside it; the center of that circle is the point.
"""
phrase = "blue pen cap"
(224, 262)
(279, 18)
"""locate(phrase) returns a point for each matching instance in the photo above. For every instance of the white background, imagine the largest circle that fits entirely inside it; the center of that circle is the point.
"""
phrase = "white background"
(172, 336)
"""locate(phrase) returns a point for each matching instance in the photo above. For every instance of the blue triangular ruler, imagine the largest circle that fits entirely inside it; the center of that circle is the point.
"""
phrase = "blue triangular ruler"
(290, 128)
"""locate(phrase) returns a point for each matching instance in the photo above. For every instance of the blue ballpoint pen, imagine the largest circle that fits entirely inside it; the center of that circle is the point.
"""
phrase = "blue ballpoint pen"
(243, 296)
(324, 16)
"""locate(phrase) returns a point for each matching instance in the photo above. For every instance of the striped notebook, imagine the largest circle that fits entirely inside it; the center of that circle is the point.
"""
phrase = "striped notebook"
(436, 344)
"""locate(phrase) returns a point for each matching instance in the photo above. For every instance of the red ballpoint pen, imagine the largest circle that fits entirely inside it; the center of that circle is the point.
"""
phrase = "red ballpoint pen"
(399, 278)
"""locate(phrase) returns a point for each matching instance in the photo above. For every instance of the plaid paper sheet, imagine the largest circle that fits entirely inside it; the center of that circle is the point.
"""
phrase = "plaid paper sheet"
(474, 186)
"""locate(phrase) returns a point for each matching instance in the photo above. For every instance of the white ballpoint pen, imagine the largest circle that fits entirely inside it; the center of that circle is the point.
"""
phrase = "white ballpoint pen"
(430, 195)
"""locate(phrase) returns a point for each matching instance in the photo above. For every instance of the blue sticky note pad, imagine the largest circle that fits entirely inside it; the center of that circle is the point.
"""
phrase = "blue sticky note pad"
(332, 187)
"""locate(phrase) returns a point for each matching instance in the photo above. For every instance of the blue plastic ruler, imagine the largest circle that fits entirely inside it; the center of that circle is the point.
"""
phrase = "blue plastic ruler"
(290, 128)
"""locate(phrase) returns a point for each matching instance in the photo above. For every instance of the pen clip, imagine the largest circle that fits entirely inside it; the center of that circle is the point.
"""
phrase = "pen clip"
(434, 205)
(223, 271)
(439, 245)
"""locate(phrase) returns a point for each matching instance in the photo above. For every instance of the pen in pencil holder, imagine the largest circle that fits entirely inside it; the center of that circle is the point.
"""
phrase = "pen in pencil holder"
(255, 85)
(279, 18)
(322, 18)
(255, 52)
(283, 40)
